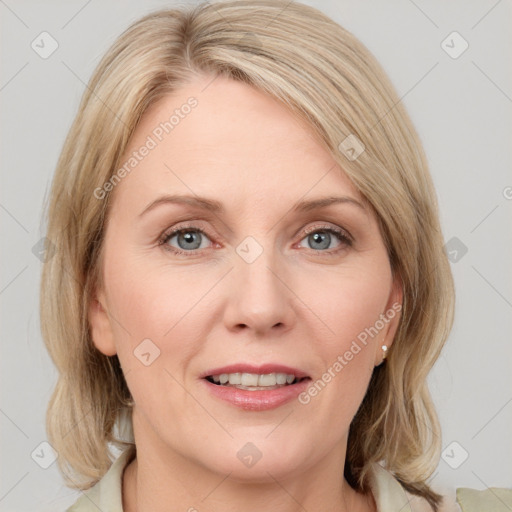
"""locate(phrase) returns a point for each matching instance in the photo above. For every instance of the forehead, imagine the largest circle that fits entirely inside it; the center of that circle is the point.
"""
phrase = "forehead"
(217, 135)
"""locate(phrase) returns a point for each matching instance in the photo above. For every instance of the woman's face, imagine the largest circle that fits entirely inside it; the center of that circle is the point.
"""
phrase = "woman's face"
(262, 279)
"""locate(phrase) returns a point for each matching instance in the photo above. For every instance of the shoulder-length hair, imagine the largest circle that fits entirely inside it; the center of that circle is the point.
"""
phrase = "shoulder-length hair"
(323, 75)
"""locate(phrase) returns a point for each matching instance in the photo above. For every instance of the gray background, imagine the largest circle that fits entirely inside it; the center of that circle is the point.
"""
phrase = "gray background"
(462, 109)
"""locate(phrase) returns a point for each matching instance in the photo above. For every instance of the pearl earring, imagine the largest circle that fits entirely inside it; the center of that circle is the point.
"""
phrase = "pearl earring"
(384, 351)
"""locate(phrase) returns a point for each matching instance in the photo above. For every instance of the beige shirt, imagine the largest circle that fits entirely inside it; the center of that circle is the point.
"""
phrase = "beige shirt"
(388, 493)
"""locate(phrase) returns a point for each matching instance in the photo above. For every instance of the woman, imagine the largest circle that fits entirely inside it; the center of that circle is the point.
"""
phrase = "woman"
(250, 286)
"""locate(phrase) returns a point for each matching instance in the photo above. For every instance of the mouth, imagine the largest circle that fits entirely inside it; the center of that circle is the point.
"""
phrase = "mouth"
(255, 387)
(255, 381)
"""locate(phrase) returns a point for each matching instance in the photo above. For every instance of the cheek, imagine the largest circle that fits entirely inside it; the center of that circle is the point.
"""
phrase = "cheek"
(348, 301)
(149, 299)
(347, 337)
(158, 304)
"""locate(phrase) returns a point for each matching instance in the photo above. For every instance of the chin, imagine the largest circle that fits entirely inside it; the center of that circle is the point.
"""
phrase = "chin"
(259, 460)
(262, 472)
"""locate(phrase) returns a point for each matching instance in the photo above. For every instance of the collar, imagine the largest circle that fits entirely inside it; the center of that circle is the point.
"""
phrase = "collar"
(388, 493)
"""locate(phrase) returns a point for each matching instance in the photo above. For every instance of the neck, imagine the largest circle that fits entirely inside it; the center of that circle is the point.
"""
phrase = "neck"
(160, 477)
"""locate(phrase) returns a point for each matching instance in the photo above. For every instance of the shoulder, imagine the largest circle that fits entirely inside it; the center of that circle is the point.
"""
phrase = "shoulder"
(390, 496)
(493, 499)
(107, 493)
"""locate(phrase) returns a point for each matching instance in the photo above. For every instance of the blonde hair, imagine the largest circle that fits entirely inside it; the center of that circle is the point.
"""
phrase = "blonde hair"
(326, 77)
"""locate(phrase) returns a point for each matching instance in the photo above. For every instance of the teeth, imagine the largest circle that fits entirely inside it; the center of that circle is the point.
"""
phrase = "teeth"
(269, 379)
(254, 379)
(281, 378)
(249, 379)
(235, 378)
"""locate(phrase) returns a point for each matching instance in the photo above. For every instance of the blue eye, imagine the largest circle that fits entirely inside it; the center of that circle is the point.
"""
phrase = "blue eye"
(186, 240)
(320, 239)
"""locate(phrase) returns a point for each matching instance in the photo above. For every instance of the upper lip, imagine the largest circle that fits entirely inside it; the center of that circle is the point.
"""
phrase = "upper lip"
(259, 369)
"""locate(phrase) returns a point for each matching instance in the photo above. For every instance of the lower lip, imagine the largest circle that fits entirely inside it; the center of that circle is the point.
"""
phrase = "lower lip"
(258, 400)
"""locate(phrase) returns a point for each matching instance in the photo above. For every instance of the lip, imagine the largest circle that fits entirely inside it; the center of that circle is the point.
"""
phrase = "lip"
(258, 400)
(260, 369)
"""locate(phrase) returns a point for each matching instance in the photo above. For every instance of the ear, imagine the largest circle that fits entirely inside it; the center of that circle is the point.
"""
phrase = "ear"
(100, 325)
(391, 316)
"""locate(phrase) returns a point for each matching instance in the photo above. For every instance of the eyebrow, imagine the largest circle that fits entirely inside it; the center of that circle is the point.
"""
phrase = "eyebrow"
(216, 207)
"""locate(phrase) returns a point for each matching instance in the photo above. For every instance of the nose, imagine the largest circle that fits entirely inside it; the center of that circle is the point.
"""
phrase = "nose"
(259, 298)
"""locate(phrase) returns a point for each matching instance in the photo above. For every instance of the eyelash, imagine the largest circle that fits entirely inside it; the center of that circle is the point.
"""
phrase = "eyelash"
(342, 236)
